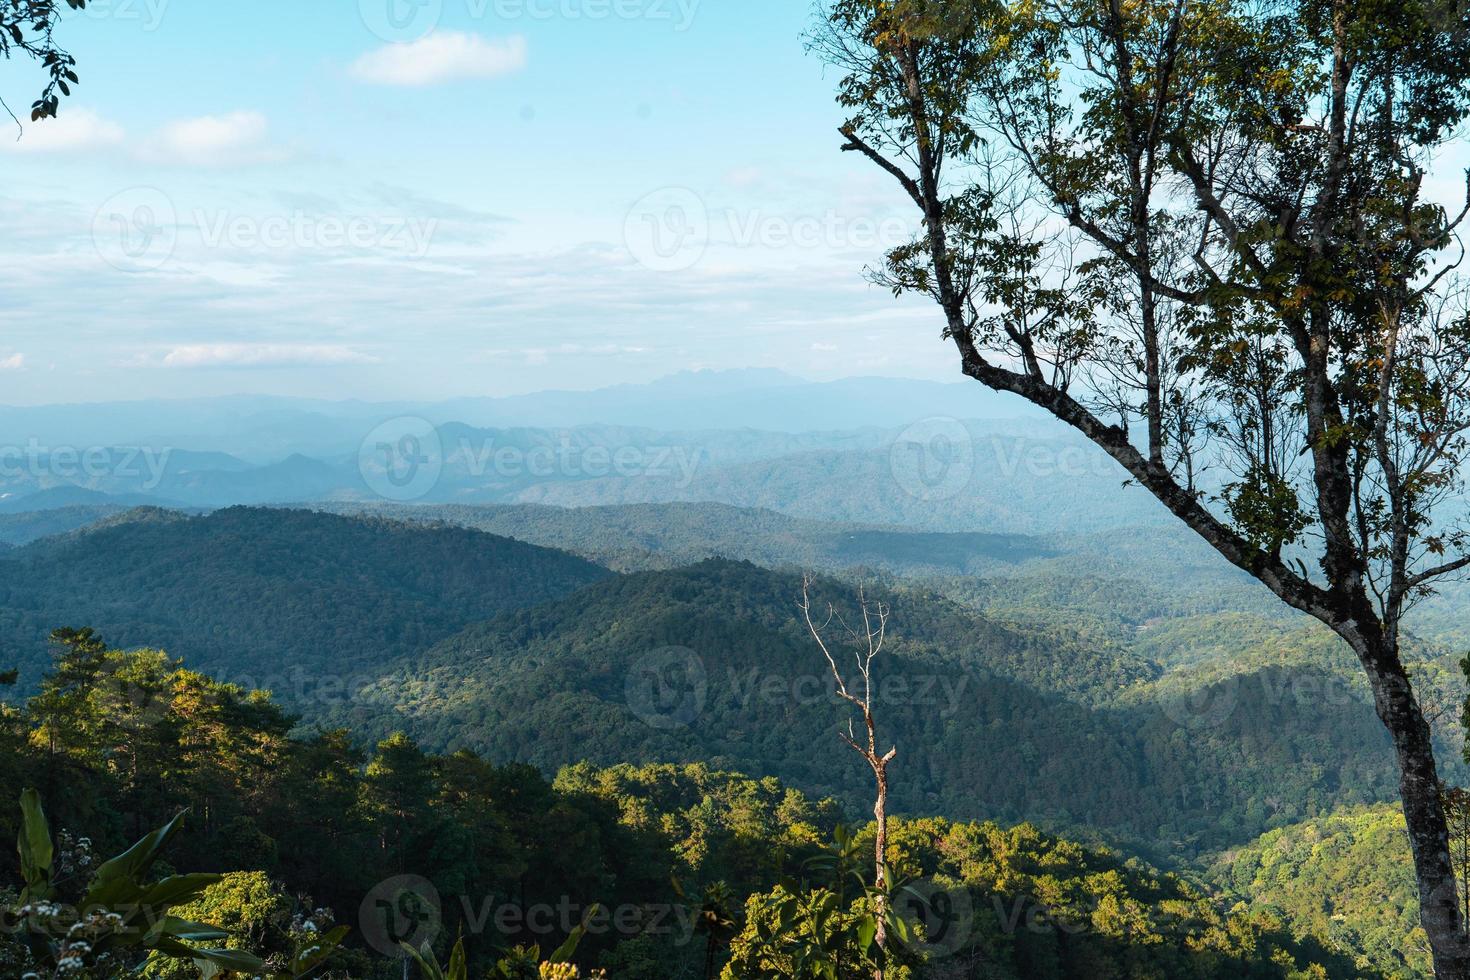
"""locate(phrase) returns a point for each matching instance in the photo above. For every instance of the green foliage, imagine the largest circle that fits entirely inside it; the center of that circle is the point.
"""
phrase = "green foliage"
(808, 936)
(288, 599)
(258, 916)
(675, 851)
(1346, 879)
(120, 917)
(997, 721)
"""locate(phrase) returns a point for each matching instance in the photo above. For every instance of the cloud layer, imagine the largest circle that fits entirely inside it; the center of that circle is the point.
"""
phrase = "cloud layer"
(445, 56)
(210, 141)
(75, 130)
(262, 355)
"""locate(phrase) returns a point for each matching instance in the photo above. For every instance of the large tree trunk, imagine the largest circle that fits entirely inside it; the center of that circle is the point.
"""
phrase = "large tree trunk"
(1419, 788)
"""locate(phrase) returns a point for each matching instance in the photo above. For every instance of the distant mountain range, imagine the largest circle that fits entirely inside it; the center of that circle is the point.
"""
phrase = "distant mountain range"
(263, 429)
(945, 475)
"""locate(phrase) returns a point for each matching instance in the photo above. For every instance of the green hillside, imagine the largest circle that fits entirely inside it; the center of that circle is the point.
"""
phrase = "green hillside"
(313, 828)
(1345, 878)
(711, 663)
(269, 594)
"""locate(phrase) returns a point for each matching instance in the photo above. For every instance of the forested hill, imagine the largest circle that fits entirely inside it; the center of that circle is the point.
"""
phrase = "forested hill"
(527, 653)
(255, 594)
(312, 825)
(1346, 878)
(712, 663)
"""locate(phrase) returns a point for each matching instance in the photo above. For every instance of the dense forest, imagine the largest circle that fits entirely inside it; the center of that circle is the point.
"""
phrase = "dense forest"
(668, 871)
(1087, 716)
(266, 594)
(522, 653)
(1344, 878)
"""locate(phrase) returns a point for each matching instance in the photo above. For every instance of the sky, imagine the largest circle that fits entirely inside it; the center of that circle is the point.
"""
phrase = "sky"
(435, 198)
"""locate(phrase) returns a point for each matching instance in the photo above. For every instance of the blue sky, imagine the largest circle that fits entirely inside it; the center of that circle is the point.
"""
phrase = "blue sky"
(418, 198)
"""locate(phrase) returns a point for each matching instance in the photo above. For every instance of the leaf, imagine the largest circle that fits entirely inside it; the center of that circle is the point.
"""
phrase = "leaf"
(175, 890)
(34, 843)
(867, 928)
(235, 960)
(120, 877)
(568, 949)
(183, 929)
(428, 966)
(309, 957)
(458, 969)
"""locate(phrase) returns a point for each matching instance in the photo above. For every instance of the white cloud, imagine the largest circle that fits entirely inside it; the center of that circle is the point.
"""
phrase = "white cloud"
(444, 56)
(208, 141)
(72, 131)
(12, 363)
(263, 355)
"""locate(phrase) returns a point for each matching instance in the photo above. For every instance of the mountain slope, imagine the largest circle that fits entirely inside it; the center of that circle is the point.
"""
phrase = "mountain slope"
(711, 663)
(1346, 878)
(254, 594)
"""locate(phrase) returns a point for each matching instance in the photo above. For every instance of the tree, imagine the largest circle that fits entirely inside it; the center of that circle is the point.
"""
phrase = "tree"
(27, 28)
(1457, 816)
(113, 922)
(1197, 232)
(868, 640)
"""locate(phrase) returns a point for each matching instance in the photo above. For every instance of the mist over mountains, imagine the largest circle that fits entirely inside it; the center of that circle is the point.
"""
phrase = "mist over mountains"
(937, 456)
(267, 429)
